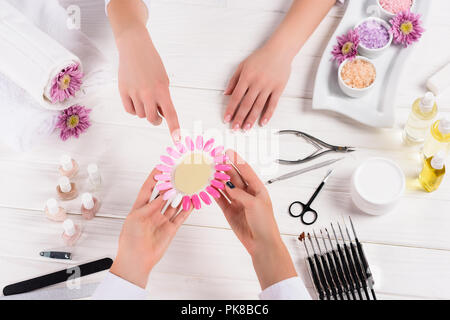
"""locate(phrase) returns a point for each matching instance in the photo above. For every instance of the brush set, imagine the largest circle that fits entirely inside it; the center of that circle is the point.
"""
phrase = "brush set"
(339, 269)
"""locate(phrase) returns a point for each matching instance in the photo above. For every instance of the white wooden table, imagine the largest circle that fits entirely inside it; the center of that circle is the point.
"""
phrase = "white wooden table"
(201, 42)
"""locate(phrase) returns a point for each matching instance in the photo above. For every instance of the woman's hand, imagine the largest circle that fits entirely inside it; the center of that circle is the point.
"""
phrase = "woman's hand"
(256, 87)
(143, 81)
(145, 235)
(250, 215)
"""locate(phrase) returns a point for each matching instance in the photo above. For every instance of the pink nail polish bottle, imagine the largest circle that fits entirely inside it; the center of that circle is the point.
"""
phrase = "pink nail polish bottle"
(66, 190)
(89, 206)
(54, 211)
(68, 167)
(71, 233)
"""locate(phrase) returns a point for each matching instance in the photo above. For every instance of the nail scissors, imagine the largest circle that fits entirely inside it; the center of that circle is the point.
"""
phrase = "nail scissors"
(298, 209)
(317, 143)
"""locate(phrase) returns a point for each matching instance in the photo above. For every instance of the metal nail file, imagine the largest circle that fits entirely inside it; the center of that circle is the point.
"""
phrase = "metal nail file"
(304, 170)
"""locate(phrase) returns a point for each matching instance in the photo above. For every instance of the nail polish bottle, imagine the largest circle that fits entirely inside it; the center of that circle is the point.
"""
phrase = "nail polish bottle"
(94, 178)
(71, 233)
(89, 206)
(54, 211)
(66, 190)
(68, 167)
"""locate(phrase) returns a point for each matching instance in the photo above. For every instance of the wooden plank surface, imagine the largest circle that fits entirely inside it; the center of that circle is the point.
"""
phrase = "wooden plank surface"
(201, 42)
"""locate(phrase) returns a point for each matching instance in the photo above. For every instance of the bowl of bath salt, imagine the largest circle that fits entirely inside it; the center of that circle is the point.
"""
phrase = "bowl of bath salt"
(356, 76)
(374, 37)
(389, 8)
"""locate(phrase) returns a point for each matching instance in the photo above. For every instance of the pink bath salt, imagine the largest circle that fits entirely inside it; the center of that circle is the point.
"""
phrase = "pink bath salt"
(396, 6)
(358, 73)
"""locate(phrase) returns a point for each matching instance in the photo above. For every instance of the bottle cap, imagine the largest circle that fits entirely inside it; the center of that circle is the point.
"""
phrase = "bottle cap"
(444, 125)
(69, 227)
(64, 184)
(52, 206)
(87, 200)
(66, 162)
(438, 160)
(93, 171)
(427, 102)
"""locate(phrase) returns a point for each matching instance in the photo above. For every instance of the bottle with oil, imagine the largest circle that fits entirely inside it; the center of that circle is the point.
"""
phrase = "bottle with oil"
(420, 119)
(433, 172)
(438, 138)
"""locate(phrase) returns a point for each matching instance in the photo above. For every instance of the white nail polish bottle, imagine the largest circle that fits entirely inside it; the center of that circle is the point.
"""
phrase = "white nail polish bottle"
(68, 167)
(89, 205)
(94, 177)
(54, 211)
(72, 232)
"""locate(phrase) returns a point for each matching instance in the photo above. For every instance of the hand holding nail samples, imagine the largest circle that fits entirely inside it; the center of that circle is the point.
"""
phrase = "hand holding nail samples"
(146, 234)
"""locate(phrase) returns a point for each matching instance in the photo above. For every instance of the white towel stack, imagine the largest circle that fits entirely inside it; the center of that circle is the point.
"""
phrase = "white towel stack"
(35, 44)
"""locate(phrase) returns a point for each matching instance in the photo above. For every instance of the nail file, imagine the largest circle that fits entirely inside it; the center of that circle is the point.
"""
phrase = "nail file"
(58, 277)
(83, 291)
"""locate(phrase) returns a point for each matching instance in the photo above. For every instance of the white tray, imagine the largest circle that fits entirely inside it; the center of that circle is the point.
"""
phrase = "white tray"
(375, 109)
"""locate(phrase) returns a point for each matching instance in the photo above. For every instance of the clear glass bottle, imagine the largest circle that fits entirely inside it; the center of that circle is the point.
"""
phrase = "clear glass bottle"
(94, 178)
(433, 172)
(438, 138)
(420, 119)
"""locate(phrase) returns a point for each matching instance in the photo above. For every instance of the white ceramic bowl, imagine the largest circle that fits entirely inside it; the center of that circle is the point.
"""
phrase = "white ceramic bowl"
(354, 92)
(387, 15)
(373, 53)
(377, 185)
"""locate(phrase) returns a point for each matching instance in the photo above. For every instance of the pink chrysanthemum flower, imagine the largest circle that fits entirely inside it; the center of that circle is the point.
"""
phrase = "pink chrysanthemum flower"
(73, 121)
(66, 83)
(406, 28)
(200, 163)
(346, 47)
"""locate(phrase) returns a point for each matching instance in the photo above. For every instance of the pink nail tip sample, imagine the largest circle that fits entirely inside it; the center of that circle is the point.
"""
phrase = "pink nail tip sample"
(164, 186)
(196, 202)
(199, 143)
(204, 196)
(216, 151)
(221, 176)
(180, 147)
(208, 145)
(163, 168)
(222, 167)
(220, 159)
(189, 143)
(217, 184)
(213, 192)
(173, 153)
(169, 194)
(162, 177)
(186, 203)
(167, 160)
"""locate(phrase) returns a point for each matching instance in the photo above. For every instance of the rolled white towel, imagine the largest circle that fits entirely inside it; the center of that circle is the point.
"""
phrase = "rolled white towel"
(30, 57)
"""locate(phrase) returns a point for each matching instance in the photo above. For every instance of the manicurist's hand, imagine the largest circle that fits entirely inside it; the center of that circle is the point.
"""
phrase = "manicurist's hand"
(146, 234)
(251, 217)
(143, 81)
(256, 87)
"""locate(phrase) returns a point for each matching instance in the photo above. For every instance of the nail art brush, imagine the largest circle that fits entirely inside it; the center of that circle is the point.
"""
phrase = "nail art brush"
(359, 269)
(332, 269)
(365, 264)
(340, 273)
(351, 265)
(326, 268)
(314, 274)
(323, 281)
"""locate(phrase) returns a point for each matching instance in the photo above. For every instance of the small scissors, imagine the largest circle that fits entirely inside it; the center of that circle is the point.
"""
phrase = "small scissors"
(298, 209)
(317, 143)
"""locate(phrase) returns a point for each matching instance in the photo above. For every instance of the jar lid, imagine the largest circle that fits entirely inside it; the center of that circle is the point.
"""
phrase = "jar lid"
(377, 185)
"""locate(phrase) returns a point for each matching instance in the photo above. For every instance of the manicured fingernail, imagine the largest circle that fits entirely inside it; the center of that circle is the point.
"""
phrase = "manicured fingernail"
(264, 122)
(247, 127)
(230, 185)
(227, 118)
(176, 136)
(236, 127)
